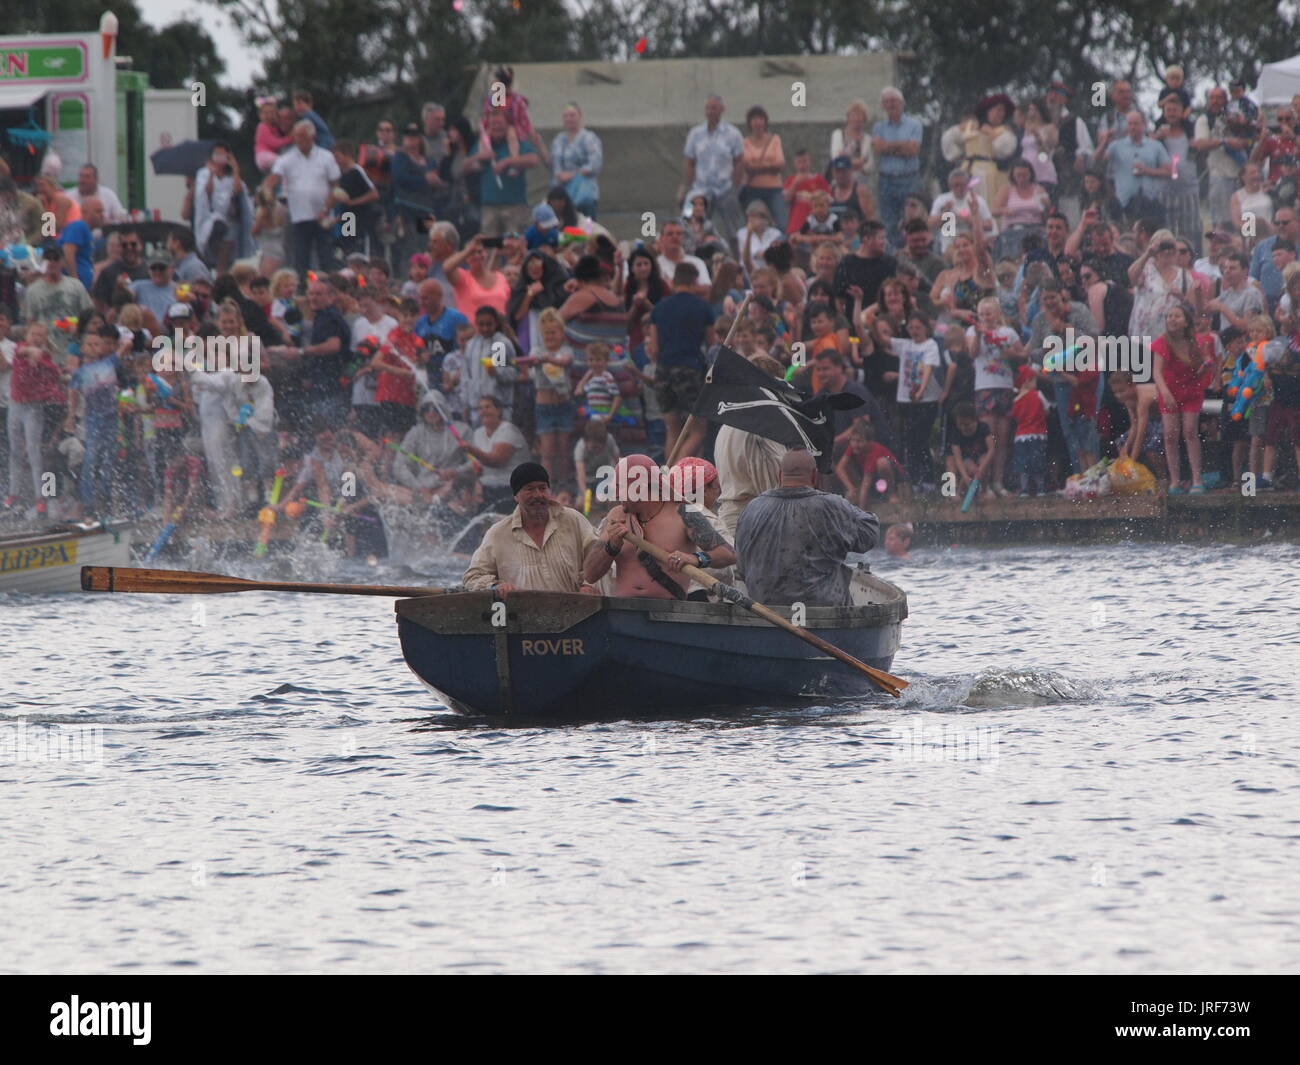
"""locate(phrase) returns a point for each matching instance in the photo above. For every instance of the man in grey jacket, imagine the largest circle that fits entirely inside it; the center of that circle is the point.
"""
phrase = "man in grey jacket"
(792, 539)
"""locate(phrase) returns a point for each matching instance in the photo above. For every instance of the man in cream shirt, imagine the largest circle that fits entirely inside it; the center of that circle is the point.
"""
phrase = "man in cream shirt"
(537, 548)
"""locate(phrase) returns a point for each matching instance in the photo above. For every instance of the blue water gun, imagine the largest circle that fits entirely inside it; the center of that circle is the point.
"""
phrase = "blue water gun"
(1247, 380)
(245, 412)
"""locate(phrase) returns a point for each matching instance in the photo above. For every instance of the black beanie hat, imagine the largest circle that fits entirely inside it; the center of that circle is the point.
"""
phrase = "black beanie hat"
(527, 473)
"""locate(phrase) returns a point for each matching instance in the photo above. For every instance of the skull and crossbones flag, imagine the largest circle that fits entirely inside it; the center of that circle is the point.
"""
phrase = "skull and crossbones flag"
(739, 394)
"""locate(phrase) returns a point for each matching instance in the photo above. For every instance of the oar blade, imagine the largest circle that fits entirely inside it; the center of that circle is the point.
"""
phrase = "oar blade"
(167, 581)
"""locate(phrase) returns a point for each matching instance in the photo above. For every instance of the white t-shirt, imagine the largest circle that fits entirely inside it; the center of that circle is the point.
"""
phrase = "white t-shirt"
(948, 202)
(7, 349)
(667, 266)
(991, 367)
(507, 433)
(307, 181)
(364, 384)
(911, 358)
(114, 212)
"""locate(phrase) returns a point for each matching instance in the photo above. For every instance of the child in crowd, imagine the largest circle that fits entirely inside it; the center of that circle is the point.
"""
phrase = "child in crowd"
(417, 269)
(96, 384)
(970, 447)
(820, 227)
(918, 395)
(867, 469)
(548, 366)
(1007, 294)
(402, 376)
(453, 372)
(1259, 328)
(1029, 450)
(598, 387)
(992, 345)
(35, 389)
(1284, 412)
(824, 337)
(644, 361)
(185, 480)
(595, 450)
(799, 189)
(1233, 434)
(850, 223)
(1144, 440)
(699, 227)
(488, 365)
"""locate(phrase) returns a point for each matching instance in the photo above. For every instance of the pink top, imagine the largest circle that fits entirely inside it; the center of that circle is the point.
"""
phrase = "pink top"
(470, 295)
(1023, 210)
(267, 143)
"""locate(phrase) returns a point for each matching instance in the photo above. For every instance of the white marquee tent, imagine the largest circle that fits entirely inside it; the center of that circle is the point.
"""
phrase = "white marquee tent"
(1278, 82)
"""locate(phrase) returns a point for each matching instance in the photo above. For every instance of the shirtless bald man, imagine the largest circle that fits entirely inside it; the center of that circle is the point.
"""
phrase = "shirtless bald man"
(689, 534)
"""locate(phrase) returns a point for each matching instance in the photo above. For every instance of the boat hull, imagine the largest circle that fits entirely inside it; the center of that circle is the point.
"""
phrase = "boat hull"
(585, 658)
(51, 561)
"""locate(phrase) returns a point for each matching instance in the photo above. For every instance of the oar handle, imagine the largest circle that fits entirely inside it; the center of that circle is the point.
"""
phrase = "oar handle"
(191, 582)
(885, 681)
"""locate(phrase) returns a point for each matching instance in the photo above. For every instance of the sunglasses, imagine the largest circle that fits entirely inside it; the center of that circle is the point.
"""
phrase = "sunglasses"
(132, 244)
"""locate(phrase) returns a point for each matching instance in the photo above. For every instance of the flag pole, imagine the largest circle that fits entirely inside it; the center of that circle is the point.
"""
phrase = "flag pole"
(689, 424)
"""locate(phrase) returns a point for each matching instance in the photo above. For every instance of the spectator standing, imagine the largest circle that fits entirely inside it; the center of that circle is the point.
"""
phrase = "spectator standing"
(302, 108)
(896, 142)
(1179, 194)
(682, 327)
(308, 173)
(1223, 155)
(577, 158)
(713, 163)
(763, 167)
(88, 184)
(503, 186)
(1138, 163)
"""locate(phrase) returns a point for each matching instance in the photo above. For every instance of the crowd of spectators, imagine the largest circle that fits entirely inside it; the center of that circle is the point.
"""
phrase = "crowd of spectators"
(426, 327)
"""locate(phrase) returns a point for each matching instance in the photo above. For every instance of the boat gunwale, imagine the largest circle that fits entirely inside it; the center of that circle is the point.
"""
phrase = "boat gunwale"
(892, 611)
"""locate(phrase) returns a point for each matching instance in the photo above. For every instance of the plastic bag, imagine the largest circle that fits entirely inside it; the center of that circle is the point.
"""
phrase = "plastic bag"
(1131, 478)
(1090, 484)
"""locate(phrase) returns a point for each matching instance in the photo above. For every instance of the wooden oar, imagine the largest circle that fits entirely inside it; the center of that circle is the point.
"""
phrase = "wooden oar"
(189, 582)
(689, 424)
(885, 681)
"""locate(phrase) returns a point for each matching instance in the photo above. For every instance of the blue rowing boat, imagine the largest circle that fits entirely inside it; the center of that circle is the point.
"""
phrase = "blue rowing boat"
(582, 657)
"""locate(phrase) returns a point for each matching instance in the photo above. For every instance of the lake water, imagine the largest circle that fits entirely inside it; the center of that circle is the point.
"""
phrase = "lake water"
(1095, 770)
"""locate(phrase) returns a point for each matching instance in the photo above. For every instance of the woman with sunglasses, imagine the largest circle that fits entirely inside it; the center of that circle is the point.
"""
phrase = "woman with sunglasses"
(1159, 283)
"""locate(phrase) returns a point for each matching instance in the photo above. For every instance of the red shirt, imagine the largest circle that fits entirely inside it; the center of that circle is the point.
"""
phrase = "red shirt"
(1280, 152)
(1083, 395)
(393, 387)
(800, 211)
(1030, 412)
(36, 382)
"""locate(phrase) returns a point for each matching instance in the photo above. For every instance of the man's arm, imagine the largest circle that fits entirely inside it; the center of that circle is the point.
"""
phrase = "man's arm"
(482, 572)
(704, 536)
(861, 529)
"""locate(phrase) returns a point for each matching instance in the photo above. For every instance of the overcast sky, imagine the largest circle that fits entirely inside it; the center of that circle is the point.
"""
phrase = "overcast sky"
(241, 66)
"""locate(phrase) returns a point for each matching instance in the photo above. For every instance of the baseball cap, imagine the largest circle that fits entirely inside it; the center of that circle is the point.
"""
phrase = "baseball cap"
(180, 310)
(544, 216)
(842, 162)
(412, 129)
(51, 250)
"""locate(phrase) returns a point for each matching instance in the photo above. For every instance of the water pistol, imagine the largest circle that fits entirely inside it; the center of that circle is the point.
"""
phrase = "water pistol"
(66, 325)
(1245, 384)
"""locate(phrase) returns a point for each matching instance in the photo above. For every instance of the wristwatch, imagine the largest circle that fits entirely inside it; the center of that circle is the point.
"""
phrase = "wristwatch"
(702, 557)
